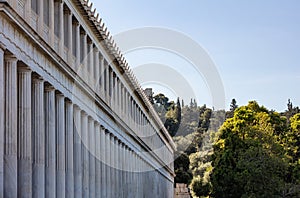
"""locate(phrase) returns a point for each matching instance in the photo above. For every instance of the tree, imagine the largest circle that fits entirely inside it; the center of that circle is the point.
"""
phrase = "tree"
(200, 165)
(233, 107)
(248, 158)
(173, 119)
(178, 112)
(291, 142)
(162, 100)
(291, 110)
(181, 167)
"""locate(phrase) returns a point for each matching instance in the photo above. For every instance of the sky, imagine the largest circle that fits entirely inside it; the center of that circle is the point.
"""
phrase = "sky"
(254, 45)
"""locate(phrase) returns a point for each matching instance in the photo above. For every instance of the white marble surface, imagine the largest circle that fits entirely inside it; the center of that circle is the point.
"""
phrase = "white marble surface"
(77, 139)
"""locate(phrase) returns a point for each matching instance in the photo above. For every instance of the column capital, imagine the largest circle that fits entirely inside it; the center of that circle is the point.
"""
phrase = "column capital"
(101, 56)
(10, 58)
(83, 113)
(24, 69)
(82, 32)
(89, 42)
(76, 107)
(106, 131)
(37, 77)
(67, 11)
(90, 118)
(59, 94)
(49, 87)
(96, 50)
(75, 22)
(97, 124)
(68, 101)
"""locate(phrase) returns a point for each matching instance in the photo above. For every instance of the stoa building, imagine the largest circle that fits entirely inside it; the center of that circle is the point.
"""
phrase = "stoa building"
(74, 121)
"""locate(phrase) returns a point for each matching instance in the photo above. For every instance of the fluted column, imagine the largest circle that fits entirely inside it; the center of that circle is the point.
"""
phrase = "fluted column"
(101, 76)
(127, 188)
(130, 173)
(90, 65)
(132, 114)
(41, 17)
(133, 175)
(144, 179)
(51, 22)
(2, 102)
(112, 99)
(91, 136)
(70, 37)
(38, 137)
(121, 158)
(110, 87)
(84, 54)
(136, 187)
(28, 11)
(60, 145)
(77, 47)
(140, 121)
(103, 162)
(61, 27)
(139, 176)
(138, 117)
(98, 162)
(112, 165)
(126, 106)
(123, 95)
(117, 169)
(134, 190)
(10, 132)
(24, 133)
(125, 183)
(117, 106)
(50, 141)
(119, 97)
(77, 153)
(107, 83)
(96, 69)
(85, 155)
(134, 182)
(108, 160)
(69, 150)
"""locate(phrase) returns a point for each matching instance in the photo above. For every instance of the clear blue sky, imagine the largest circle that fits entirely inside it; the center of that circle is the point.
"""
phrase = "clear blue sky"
(254, 44)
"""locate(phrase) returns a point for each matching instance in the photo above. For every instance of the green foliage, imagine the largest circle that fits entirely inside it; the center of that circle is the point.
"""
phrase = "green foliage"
(169, 112)
(249, 157)
(255, 153)
(200, 188)
(291, 110)
(181, 167)
(233, 107)
(197, 129)
(173, 119)
(291, 141)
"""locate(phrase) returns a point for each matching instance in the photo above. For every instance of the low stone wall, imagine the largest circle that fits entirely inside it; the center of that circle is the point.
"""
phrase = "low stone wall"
(181, 191)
